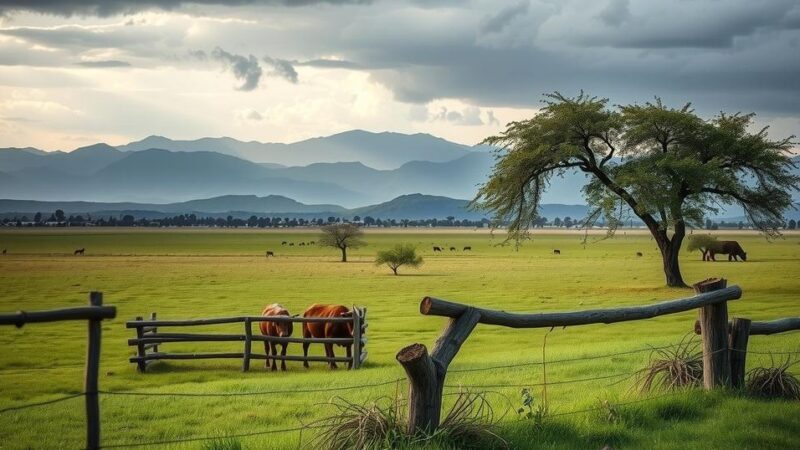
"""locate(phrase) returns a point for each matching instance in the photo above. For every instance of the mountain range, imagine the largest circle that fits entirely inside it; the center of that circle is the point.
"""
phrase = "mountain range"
(412, 206)
(345, 171)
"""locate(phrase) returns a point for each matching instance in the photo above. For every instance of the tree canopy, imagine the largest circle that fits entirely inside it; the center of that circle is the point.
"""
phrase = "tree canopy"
(342, 236)
(399, 255)
(668, 166)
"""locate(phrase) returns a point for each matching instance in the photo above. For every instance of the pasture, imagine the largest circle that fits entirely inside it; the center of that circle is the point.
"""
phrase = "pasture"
(183, 274)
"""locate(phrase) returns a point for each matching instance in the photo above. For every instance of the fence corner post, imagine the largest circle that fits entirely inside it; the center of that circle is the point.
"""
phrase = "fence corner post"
(91, 376)
(141, 364)
(355, 362)
(739, 335)
(714, 330)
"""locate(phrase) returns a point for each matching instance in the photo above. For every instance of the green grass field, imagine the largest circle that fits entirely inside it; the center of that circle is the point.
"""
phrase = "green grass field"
(207, 273)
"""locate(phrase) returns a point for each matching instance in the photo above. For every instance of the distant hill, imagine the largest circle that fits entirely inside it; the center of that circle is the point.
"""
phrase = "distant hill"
(413, 206)
(378, 150)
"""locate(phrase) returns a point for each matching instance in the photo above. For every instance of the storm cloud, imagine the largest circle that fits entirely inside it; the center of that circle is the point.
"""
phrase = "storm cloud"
(245, 68)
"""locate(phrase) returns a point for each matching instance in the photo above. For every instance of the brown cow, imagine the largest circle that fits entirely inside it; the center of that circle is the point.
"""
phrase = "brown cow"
(275, 329)
(328, 329)
(730, 248)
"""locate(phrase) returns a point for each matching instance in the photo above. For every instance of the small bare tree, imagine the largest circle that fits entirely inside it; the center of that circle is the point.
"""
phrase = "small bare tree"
(399, 255)
(342, 236)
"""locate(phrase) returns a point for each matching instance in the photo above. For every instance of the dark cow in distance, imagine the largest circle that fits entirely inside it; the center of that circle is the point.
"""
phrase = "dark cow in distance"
(284, 243)
(452, 249)
(4, 251)
(639, 254)
(556, 252)
(269, 253)
(437, 249)
(730, 248)
(275, 329)
(79, 251)
(328, 329)
(467, 249)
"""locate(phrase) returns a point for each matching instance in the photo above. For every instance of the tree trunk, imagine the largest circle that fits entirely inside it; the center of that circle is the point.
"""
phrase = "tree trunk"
(670, 249)
(394, 269)
(344, 254)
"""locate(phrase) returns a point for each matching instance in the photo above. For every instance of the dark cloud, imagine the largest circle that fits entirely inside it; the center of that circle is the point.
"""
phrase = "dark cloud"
(282, 68)
(615, 13)
(105, 8)
(103, 64)
(497, 22)
(245, 69)
(329, 64)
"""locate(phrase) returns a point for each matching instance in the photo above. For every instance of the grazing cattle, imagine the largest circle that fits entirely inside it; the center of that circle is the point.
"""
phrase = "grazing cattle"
(79, 251)
(275, 329)
(302, 244)
(437, 249)
(730, 248)
(452, 249)
(291, 244)
(284, 243)
(4, 251)
(467, 248)
(556, 252)
(269, 253)
(312, 243)
(328, 329)
(639, 254)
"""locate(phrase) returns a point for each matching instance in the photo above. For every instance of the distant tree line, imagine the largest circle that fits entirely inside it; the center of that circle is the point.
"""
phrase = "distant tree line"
(60, 219)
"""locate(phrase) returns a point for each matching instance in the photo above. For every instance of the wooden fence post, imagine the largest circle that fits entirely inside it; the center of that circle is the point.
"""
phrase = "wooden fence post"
(714, 328)
(248, 344)
(740, 333)
(355, 363)
(91, 376)
(155, 330)
(140, 352)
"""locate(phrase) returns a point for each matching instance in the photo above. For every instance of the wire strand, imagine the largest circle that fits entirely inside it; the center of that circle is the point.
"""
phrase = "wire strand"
(47, 402)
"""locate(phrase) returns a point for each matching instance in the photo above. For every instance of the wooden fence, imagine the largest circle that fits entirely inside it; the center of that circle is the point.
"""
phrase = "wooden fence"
(426, 373)
(95, 313)
(149, 338)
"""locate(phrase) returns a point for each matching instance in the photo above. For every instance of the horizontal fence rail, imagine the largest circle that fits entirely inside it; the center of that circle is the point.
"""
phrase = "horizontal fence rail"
(149, 338)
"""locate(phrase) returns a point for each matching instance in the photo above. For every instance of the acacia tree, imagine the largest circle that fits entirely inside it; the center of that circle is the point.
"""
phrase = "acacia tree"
(342, 236)
(667, 166)
(399, 255)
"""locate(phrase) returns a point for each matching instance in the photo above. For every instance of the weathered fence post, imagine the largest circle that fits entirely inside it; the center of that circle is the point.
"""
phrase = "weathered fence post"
(740, 333)
(426, 374)
(141, 364)
(714, 329)
(155, 330)
(248, 344)
(355, 362)
(91, 376)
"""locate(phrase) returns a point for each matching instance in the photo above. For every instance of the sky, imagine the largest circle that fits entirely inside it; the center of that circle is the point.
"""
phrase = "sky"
(74, 73)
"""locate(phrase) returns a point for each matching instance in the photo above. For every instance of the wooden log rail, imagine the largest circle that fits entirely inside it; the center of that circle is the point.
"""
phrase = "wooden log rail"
(426, 372)
(149, 337)
(94, 314)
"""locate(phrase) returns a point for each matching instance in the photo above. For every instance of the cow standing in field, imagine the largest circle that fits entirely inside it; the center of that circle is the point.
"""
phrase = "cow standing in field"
(79, 251)
(452, 249)
(269, 253)
(467, 249)
(730, 248)
(329, 330)
(437, 249)
(284, 243)
(556, 252)
(639, 254)
(4, 251)
(275, 329)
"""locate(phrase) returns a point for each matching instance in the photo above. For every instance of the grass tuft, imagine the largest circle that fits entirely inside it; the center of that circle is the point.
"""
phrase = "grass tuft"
(673, 368)
(222, 443)
(774, 382)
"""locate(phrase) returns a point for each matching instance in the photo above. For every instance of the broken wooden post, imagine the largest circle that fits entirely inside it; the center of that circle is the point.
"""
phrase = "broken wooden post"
(739, 335)
(714, 328)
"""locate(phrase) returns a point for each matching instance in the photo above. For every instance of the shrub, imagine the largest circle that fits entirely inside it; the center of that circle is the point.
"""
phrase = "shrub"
(673, 368)
(399, 255)
(774, 382)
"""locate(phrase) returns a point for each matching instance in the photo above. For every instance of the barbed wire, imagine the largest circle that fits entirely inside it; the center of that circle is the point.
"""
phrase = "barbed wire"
(556, 361)
(208, 438)
(46, 402)
(242, 394)
(549, 383)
